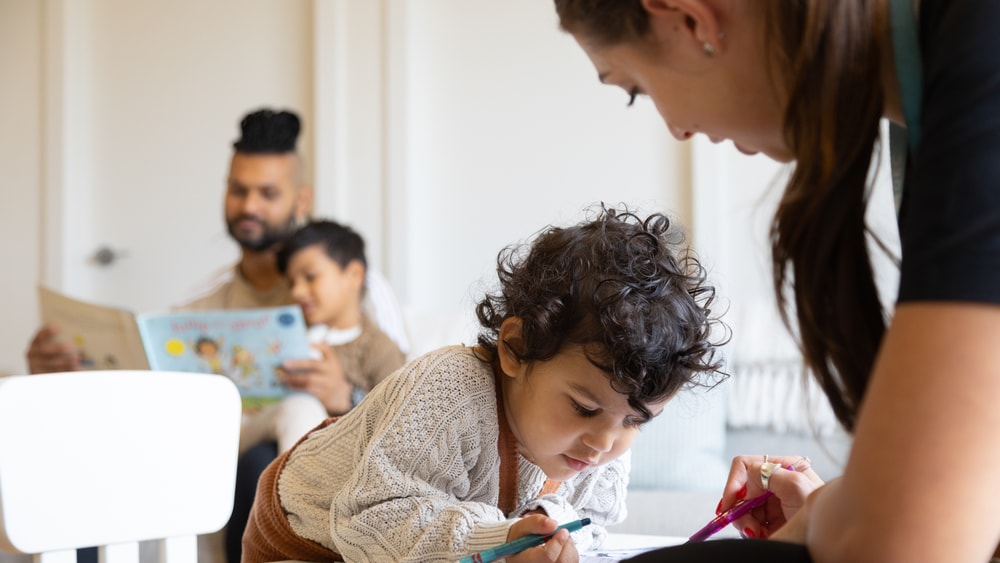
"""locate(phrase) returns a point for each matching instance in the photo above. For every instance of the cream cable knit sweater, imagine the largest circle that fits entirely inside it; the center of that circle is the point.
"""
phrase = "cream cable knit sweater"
(412, 473)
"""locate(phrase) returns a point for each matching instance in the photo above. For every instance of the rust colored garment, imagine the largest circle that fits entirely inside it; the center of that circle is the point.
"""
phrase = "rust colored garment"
(268, 536)
(508, 458)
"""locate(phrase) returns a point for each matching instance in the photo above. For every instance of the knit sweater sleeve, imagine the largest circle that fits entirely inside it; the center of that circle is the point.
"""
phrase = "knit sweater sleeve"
(598, 494)
(424, 480)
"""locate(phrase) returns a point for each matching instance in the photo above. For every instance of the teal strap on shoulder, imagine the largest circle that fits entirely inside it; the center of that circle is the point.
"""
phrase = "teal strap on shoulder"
(897, 159)
(909, 69)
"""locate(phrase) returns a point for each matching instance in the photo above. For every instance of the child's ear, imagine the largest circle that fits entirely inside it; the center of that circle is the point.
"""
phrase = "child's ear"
(356, 270)
(509, 346)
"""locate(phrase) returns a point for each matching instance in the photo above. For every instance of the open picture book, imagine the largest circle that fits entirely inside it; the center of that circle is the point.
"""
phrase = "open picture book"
(246, 345)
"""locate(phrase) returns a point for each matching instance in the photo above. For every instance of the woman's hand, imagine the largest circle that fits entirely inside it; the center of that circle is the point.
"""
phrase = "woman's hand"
(789, 488)
(797, 526)
(560, 548)
(323, 377)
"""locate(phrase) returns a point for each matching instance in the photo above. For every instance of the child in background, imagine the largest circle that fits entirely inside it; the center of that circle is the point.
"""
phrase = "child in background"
(325, 264)
(592, 330)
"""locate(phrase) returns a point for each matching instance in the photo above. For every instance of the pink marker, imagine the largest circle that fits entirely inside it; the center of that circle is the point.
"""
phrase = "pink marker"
(738, 510)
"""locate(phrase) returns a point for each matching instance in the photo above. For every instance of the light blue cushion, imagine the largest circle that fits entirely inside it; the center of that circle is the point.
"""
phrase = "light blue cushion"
(684, 447)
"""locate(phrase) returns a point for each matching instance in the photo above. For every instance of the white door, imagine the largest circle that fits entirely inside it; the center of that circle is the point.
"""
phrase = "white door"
(151, 94)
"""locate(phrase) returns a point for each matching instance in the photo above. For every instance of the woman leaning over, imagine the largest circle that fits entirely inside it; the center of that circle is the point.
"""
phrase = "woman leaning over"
(807, 81)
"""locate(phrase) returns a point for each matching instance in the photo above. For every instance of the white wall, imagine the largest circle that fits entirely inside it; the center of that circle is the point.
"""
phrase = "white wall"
(350, 117)
(440, 136)
(506, 131)
(442, 129)
(20, 161)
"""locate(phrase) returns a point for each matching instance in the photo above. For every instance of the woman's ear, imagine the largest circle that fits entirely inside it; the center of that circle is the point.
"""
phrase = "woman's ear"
(695, 21)
(509, 346)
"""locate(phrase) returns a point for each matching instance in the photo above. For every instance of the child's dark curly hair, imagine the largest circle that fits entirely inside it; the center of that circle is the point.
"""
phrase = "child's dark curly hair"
(617, 287)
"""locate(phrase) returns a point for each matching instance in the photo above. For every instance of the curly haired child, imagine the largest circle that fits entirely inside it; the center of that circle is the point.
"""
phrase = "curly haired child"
(593, 328)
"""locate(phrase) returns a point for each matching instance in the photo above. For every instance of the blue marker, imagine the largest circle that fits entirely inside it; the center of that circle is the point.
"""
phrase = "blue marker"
(520, 544)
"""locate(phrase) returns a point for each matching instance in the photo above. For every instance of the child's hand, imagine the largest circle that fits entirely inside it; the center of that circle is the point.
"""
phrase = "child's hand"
(324, 378)
(560, 548)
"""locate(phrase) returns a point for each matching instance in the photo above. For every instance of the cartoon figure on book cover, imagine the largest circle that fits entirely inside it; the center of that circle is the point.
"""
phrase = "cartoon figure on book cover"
(245, 371)
(209, 351)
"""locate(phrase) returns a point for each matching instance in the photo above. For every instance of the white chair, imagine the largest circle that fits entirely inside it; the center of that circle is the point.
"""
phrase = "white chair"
(112, 458)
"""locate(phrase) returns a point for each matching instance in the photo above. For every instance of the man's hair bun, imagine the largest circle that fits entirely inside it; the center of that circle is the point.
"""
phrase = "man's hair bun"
(268, 131)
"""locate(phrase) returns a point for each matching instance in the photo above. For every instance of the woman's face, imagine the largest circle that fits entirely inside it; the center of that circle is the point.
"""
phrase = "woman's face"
(727, 95)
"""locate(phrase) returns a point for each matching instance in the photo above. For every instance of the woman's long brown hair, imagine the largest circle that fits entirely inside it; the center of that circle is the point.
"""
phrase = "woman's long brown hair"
(818, 245)
(827, 61)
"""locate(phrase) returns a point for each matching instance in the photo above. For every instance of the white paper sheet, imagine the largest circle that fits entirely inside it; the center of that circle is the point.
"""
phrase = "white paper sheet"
(619, 547)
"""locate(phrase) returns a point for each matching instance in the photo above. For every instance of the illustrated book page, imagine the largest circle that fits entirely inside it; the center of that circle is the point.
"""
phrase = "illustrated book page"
(246, 345)
(102, 337)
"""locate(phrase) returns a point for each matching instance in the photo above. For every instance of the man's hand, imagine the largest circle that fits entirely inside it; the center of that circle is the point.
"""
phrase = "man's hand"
(46, 355)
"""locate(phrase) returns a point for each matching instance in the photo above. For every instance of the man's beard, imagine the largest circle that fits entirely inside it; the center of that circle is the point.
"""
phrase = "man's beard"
(269, 237)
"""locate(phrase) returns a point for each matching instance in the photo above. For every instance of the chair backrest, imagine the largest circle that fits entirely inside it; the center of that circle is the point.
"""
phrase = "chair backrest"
(111, 458)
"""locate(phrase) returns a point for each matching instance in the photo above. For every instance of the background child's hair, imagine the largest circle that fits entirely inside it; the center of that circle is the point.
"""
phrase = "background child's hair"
(619, 286)
(340, 242)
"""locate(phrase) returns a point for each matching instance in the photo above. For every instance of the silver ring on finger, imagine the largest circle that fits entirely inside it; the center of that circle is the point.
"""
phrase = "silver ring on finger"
(766, 469)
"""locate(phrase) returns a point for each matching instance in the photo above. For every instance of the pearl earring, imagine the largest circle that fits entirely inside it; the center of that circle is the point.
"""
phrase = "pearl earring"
(709, 49)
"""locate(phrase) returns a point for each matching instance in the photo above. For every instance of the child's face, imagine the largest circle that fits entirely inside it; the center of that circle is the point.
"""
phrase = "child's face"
(565, 415)
(327, 293)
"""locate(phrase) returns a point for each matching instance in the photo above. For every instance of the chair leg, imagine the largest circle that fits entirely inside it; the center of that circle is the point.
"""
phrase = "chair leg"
(119, 553)
(62, 556)
(182, 549)
(86, 555)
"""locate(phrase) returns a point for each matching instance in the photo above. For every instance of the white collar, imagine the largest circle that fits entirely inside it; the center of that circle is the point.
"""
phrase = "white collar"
(333, 336)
